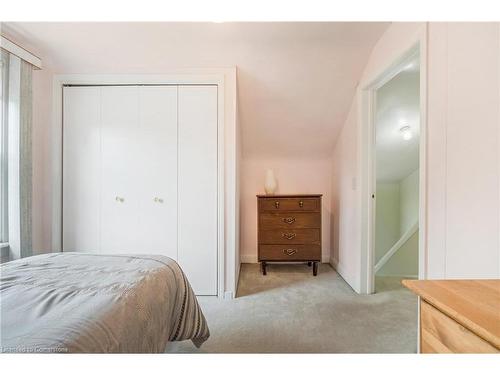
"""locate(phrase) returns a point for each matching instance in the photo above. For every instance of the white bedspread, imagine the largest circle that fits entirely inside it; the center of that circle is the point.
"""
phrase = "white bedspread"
(78, 302)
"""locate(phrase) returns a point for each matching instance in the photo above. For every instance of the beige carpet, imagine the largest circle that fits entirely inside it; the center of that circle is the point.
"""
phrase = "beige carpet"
(290, 311)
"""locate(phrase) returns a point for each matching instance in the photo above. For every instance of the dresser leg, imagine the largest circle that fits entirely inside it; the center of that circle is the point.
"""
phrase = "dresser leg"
(263, 267)
(309, 264)
(315, 268)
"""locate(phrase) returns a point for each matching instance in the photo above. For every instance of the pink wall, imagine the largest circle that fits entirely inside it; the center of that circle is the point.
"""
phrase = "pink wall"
(294, 176)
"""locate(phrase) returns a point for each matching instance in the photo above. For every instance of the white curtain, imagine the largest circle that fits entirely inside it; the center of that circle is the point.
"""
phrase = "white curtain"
(25, 159)
(17, 111)
(4, 87)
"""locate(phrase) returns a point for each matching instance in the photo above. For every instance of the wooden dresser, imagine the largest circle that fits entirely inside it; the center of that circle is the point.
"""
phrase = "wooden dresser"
(458, 316)
(289, 229)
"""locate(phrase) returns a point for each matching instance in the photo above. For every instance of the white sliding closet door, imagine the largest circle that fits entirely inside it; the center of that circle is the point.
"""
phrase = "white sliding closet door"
(120, 214)
(81, 168)
(140, 174)
(197, 186)
(157, 171)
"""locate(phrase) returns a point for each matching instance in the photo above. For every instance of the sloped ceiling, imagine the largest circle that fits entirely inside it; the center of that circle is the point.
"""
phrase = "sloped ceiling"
(296, 81)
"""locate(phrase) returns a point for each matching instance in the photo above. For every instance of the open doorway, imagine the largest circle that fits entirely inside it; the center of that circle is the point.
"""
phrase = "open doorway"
(396, 121)
(401, 148)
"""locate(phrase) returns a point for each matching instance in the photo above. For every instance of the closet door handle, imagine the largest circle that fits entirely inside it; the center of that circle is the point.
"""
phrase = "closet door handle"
(120, 199)
(158, 200)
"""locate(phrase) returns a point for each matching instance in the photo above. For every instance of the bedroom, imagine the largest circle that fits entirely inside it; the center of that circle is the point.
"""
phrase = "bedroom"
(221, 174)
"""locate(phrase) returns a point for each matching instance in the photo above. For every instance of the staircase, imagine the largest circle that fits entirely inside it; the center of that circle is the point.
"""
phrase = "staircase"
(395, 248)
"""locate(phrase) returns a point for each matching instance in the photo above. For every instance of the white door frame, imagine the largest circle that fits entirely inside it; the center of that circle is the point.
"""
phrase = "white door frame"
(133, 79)
(368, 183)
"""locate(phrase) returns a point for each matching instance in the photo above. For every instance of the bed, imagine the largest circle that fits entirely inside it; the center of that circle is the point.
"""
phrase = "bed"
(89, 303)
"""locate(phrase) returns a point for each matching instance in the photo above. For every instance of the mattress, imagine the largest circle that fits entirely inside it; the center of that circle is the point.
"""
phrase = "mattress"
(89, 303)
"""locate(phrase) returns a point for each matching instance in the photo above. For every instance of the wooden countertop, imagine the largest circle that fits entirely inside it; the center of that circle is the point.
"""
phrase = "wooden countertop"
(473, 303)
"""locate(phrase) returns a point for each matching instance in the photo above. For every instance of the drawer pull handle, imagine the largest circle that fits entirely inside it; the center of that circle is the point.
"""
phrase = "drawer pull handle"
(301, 204)
(289, 236)
(289, 252)
(277, 204)
(289, 220)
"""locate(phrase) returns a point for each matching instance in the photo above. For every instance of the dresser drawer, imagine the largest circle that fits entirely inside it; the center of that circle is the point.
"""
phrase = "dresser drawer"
(291, 252)
(442, 334)
(292, 236)
(290, 220)
(289, 204)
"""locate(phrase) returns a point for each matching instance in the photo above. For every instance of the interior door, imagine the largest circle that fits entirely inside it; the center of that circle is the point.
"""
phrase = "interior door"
(81, 169)
(157, 174)
(120, 213)
(197, 186)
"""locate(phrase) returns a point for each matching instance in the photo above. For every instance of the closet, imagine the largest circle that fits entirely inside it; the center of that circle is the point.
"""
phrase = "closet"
(140, 174)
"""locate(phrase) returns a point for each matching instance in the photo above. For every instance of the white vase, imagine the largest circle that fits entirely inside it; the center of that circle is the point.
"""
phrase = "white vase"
(270, 183)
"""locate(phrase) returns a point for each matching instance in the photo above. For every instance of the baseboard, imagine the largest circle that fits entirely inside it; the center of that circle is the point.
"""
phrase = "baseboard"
(228, 295)
(248, 258)
(400, 276)
(334, 263)
(344, 275)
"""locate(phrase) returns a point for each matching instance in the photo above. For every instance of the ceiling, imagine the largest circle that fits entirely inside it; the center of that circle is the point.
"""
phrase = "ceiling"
(397, 105)
(296, 81)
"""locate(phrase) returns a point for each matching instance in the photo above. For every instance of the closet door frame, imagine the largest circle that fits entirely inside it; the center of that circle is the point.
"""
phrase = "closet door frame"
(60, 81)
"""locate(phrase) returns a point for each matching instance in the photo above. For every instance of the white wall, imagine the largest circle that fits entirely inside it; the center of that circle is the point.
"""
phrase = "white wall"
(387, 218)
(463, 110)
(300, 176)
(345, 207)
(463, 137)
